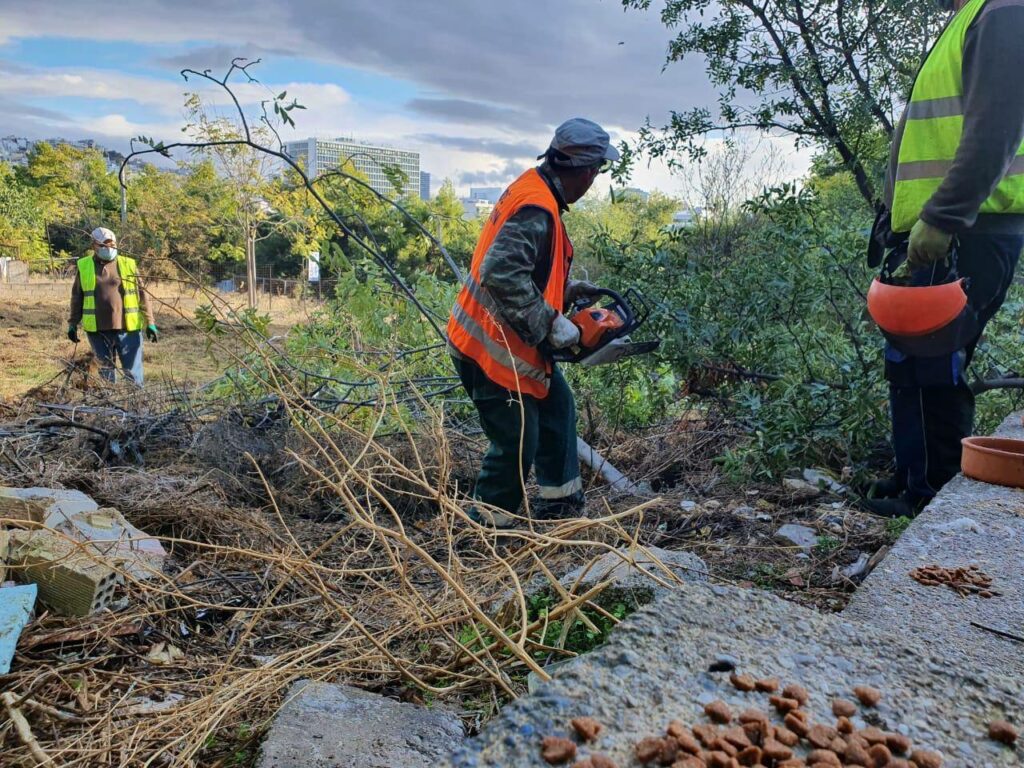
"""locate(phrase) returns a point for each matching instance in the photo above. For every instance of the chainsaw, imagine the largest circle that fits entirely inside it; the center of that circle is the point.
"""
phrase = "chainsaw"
(606, 319)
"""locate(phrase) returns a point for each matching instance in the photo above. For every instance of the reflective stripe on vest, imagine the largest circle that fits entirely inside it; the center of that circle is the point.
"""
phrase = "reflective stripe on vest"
(475, 328)
(934, 127)
(127, 270)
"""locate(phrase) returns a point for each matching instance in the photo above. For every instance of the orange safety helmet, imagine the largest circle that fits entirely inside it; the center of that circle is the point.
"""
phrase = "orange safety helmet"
(923, 321)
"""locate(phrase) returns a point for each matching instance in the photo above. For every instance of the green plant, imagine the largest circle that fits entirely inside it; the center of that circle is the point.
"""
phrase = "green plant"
(766, 574)
(827, 545)
(895, 527)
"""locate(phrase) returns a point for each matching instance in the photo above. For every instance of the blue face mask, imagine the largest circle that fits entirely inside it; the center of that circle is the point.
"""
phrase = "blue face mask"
(107, 253)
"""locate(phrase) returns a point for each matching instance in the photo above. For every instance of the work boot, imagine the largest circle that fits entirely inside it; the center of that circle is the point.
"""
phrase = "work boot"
(887, 488)
(558, 509)
(893, 508)
(497, 520)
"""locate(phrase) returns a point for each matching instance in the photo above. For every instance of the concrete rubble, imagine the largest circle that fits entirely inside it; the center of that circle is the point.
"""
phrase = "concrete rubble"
(72, 580)
(74, 551)
(335, 726)
(797, 535)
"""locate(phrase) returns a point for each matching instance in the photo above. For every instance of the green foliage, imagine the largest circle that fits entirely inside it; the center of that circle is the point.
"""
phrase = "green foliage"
(829, 74)
(827, 545)
(895, 527)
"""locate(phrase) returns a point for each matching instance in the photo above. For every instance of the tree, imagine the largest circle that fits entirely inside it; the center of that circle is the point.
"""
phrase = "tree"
(831, 74)
(21, 224)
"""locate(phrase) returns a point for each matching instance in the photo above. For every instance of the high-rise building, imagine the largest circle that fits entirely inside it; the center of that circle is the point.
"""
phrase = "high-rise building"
(490, 194)
(320, 155)
(424, 185)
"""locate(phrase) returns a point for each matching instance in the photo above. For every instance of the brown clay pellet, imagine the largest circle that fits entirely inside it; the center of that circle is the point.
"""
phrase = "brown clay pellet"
(1003, 732)
(824, 757)
(719, 760)
(924, 758)
(602, 761)
(843, 708)
(587, 728)
(767, 684)
(648, 749)
(867, 695)
(898, 743)
(556, 750)
(787, 737)
(844, 725)
(750, 756)
(719, 712)
(854, 754)
(742, 682)
(783, 704)
(688, 744)
(796, 724)
(795, 691)
(881, 755)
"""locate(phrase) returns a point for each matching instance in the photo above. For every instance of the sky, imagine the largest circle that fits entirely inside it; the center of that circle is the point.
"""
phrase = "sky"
(476, 86)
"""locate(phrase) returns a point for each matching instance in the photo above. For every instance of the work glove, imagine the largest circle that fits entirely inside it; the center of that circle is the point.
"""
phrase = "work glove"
(578, 289)
(73, 334)
(927, 244)
(152, 334)
(564, 333)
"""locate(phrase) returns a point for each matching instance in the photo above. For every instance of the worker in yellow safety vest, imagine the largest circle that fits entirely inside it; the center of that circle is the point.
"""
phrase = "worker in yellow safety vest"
(108, 300)
(953, 208)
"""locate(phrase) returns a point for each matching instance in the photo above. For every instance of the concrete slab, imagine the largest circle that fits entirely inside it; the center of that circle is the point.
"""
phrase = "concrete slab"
(34, 504)
(16, 605)
(336, 726)
(655, 668)
(967, 523)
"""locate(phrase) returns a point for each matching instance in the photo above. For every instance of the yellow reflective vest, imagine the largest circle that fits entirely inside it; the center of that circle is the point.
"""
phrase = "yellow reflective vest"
(934, 127)
(128, 271)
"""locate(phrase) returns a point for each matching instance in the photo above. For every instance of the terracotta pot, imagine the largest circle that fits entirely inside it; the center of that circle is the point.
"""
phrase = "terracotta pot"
(996, 460)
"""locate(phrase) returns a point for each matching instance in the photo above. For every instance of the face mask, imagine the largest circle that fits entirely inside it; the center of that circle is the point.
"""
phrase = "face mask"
(106, 253)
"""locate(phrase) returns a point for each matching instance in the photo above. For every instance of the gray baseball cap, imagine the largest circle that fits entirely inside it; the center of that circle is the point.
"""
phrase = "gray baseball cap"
(584, 142)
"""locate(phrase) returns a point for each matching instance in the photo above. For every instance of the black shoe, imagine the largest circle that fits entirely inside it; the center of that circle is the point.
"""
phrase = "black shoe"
(893, 508)
(558, 509)
(887, 488)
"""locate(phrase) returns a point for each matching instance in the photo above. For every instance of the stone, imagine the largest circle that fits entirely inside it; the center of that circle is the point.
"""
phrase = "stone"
(643, 573)
(34, 505)
(799, 535)
(801, 489)
(967, 523)
(16, 605)
(72, 579)
(119, 542)
(857, 569)
(4, 547)
(688, 506)
(821, 480)
(336, 726)
(678, 638)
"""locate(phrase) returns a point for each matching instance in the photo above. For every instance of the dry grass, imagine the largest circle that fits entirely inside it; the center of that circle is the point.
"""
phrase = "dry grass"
(34, 349)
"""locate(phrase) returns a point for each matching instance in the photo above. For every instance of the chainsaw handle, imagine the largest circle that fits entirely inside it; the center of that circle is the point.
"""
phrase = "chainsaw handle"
(619, 304)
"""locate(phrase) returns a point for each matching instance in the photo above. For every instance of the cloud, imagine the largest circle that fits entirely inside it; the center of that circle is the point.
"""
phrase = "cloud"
(494, 177)
(218, 57)
(464, 111)
(484, 146)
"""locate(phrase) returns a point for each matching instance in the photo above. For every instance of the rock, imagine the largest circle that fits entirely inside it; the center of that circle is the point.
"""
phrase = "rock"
(800, 535)
(72, 580)
(858, 569)
(744, 512)
(821, 480)
(712, 504)
(16, 605)
(335, 726)
(686, 567)
(688, 506)
(801, 489)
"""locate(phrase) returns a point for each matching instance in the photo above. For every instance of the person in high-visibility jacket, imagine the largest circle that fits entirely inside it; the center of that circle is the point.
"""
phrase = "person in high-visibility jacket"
(108, 300)
(955, 186)
(507, 319)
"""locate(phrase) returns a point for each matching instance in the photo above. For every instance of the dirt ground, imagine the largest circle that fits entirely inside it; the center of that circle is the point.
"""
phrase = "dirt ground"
(34, 348)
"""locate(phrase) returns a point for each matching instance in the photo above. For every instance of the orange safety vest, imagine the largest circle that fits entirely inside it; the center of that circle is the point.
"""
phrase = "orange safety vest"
(475, 328)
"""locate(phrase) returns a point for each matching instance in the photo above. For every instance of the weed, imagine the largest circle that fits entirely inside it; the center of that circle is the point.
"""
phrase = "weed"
(895, 527)
(827, 545)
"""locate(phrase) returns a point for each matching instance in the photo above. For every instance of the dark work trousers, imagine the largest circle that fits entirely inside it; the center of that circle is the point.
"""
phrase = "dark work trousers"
(931, 404)
(524, 432)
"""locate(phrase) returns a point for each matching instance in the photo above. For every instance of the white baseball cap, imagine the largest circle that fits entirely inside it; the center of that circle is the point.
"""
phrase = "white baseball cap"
(102, 234)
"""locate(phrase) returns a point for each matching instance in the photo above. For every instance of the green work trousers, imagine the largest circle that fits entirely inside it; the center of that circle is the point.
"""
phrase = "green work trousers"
(525, 432)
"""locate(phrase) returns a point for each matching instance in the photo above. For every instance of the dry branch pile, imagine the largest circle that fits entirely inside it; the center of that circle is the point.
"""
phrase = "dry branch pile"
(301, 547)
